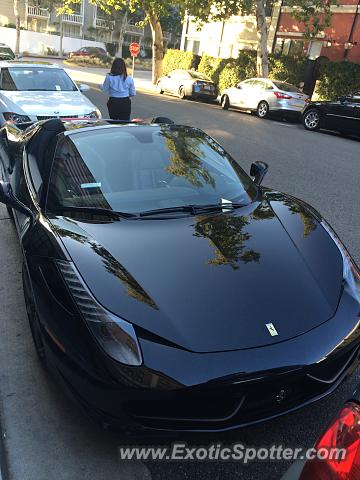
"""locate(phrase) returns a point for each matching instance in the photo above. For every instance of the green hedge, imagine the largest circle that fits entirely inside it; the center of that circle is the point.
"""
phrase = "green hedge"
(227, 72)
(287, 68)
(338, 78)
(174, 59)
(212, 67)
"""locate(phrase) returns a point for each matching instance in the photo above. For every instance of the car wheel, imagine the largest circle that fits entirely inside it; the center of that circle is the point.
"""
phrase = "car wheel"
(262, 109)
(311, 119)
(159, 88)
(33, 317)
(182, 94)
(225, 102)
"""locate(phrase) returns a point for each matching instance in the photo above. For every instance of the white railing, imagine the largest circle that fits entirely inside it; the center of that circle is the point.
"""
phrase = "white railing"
(166, 35)
(38, 12)
(72, 18)
(102, 23)
(134, 29)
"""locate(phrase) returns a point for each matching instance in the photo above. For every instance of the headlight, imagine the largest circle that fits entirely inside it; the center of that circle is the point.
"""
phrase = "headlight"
(94, 114)
(351, 273)
(15, 117)
(116, 336)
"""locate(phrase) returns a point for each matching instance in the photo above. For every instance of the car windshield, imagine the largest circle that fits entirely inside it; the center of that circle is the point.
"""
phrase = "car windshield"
(6, 53)
(37, 79)
(200, 76)
(286, 87)
(140, 168)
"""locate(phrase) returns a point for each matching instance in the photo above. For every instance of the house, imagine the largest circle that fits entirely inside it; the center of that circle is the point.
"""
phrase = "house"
(87, 22)
(224, 39)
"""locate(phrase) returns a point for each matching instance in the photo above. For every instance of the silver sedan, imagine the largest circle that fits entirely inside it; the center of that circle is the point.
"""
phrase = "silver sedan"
(188, 84)
(263, 96)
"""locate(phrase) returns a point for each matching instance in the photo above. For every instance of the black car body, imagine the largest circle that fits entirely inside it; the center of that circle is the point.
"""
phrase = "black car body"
(202, 317)
(342, 115)
(188, 84)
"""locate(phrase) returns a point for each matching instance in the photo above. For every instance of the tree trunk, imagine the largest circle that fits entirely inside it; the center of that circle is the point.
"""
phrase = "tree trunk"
(17, 22)
(121, 34)
(157, 47)
(262, 62)
(61, 37)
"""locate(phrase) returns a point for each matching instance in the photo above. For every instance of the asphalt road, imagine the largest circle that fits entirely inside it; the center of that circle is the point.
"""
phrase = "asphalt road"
(45, 434)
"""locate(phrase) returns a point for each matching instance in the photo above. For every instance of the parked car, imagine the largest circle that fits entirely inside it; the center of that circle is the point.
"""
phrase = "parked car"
(37, 91)
(169, 289)
(188, 84)
(6, 53)
(88, 52)
(264, 96)
(342, 435)
(342, 115)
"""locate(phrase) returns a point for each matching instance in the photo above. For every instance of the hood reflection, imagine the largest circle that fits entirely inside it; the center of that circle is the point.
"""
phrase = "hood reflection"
(133, 288)
(227, 233)
(302, 214)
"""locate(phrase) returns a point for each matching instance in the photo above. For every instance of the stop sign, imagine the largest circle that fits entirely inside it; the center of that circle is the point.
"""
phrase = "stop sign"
(134, 49)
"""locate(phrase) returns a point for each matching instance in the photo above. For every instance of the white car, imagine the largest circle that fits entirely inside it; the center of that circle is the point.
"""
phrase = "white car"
(263, 96)
(37, 91)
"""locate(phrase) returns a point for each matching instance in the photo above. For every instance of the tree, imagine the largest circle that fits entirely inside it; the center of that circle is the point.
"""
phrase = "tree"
(220, 10)
(153, 9)
(17, 23)
(56, 4)
(315, 15)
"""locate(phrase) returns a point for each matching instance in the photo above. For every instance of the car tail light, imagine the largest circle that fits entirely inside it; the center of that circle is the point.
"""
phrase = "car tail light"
(284, 96)
(343, 433)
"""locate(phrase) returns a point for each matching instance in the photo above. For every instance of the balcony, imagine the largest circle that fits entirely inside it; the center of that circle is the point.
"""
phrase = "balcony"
(103, 23)
(133, 29)
(38, 12)
(74, 18)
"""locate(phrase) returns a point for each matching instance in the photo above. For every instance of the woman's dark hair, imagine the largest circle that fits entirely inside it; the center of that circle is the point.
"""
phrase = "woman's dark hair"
(118, 67)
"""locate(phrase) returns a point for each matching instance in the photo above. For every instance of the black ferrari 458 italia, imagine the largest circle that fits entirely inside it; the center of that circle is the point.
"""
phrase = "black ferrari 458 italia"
(165, 287)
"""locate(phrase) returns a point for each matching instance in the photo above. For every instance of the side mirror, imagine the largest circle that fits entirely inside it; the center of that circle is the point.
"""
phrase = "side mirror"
(83, 87)
(8, 198)
(238, 86)
(258, 171)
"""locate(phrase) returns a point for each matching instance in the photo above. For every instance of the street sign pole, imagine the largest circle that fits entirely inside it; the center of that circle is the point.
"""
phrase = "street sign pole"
(134, 51)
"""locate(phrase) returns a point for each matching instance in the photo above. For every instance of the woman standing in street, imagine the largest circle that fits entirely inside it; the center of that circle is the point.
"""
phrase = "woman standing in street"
(120, 87)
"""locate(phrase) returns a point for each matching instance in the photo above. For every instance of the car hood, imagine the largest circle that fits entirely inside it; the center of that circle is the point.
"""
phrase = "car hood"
(212, 282)
(47, 103)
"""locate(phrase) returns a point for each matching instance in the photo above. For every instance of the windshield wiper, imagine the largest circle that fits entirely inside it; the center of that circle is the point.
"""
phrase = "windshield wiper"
(94, 211)
(192, 209)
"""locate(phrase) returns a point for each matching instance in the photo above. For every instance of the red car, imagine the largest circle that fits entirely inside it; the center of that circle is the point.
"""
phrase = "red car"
(88, 52)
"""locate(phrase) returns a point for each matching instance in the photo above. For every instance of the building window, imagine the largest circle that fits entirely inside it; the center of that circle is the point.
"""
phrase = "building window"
(288, 46)
(192, 45)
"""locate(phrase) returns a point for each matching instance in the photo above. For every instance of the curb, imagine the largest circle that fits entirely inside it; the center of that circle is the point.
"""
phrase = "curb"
(4, 470)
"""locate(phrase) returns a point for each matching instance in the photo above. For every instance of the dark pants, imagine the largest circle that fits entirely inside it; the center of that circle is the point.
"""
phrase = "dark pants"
(119, 108)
